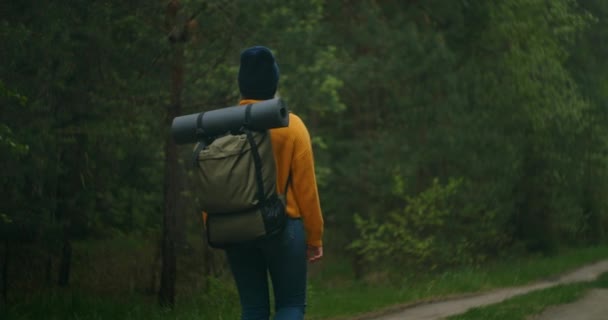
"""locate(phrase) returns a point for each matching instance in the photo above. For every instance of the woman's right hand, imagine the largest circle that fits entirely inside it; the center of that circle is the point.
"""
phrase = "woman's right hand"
(314, 253)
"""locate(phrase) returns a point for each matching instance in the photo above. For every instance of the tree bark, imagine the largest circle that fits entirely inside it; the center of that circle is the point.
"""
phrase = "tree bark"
(171, 186)
(4, 288)
(65, 263)
(48, 269)
(156, 263)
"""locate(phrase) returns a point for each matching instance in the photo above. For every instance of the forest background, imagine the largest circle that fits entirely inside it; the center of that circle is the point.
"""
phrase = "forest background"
(446, 134)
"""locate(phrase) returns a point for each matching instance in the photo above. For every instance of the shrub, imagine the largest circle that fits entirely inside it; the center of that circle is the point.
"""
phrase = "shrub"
(432, 231)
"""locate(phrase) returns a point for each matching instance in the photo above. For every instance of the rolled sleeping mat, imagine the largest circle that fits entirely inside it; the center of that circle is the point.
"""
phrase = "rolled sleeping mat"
(264, 115)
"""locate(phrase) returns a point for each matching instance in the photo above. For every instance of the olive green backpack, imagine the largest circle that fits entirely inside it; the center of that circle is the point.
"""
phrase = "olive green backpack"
(238, 180)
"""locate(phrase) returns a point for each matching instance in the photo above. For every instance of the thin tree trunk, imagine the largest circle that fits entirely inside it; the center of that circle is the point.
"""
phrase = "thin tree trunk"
(171, 185)
(4, 288)
(358, 266)
(594, 223)
(48, 270)
(156, 263)
(65, 263)
(70, 200)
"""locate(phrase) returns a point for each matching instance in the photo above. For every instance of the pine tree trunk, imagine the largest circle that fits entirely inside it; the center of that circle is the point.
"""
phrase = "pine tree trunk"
(171, 185)
(48, 270)
(4, 288)
(65, 263)
(156, 264)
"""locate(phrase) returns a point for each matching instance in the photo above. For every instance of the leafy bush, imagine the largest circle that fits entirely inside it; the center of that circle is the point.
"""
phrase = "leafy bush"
(431, 232)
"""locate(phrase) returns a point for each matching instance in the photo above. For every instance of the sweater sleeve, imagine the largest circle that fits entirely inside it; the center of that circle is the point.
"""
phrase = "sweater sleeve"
(305, 189)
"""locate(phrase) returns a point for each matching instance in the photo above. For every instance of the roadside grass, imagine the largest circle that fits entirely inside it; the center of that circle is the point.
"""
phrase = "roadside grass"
(525, 306)
(521, 307)
(75, 306)
(220, 302)
(351, 298)
(332, 292)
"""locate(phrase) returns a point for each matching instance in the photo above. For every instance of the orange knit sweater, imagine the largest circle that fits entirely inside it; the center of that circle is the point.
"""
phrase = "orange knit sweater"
(293, 153)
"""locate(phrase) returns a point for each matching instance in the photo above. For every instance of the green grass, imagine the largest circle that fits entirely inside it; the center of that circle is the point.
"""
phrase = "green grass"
(524, 306)
(332, 292)
(351, 298)
(73, 306)
(220, 302)
(521, 307)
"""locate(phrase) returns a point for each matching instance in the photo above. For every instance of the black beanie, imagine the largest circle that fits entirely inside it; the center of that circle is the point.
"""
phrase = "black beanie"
(258, 74)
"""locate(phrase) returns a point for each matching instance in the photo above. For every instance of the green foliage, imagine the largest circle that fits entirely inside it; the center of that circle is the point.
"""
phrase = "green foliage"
(5, 219)
(478, 90)
(8, 144)
(81, 133)
(12, 95)
(421, 236)
(399, 96)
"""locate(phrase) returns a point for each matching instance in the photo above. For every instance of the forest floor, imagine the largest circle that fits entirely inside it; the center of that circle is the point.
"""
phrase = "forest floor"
(590, 307)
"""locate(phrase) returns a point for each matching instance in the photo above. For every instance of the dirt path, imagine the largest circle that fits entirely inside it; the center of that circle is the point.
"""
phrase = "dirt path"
(442, 309)
(592, 307)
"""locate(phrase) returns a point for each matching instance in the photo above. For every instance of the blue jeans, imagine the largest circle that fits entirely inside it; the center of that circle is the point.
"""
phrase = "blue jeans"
(284, 257)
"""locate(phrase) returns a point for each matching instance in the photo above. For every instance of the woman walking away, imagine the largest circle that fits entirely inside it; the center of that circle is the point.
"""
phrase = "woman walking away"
(285, 256)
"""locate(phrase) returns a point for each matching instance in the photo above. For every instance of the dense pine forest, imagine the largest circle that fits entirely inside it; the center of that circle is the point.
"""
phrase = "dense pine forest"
(447, 134)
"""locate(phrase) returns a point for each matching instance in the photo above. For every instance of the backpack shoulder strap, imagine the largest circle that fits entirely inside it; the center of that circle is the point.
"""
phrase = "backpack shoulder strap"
(257, 161)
